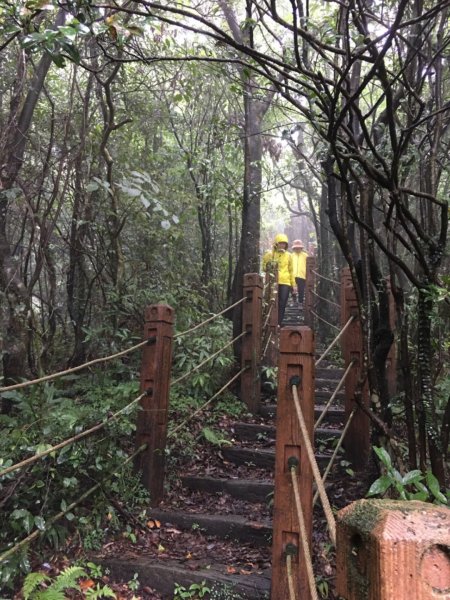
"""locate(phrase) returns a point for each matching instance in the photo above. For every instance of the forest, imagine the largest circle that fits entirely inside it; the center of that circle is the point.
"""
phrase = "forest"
(150, 151)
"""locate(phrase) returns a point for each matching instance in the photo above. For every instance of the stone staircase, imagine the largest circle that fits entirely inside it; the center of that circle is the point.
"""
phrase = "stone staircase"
(246, 475)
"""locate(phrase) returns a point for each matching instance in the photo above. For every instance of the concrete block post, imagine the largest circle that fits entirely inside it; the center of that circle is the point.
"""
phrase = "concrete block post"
(357, 440)
(155, 382)
(296, 360)
(393, 550)
(251, 343)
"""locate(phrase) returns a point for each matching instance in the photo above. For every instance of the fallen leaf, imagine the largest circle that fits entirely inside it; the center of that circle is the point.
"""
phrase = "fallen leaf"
(245, 572)
(85, 584)
(152, 523)
(231, 570)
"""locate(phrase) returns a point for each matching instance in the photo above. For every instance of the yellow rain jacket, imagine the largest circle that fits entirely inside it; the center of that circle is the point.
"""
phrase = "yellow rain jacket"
(283, 259)
(299, 263)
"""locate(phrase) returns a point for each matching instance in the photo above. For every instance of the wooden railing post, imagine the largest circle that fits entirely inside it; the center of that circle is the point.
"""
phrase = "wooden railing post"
(393, 550)
(251, 343)
(296, 361)
(357, 440)
(155, 382)
(309, 288)
(271, 356)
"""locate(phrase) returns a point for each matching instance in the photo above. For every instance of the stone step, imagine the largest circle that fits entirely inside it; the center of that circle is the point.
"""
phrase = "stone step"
(333, 373)
(334, 415)
(163, 575)
(257, 432)
(226, 527)
(260, 458)
(246, 489)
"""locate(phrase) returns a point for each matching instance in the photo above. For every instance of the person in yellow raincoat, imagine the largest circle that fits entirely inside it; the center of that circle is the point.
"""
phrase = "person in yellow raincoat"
(281, 260)
(299, 257)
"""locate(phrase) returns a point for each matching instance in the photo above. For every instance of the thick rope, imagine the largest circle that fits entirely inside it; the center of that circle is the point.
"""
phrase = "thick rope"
(336, 339)
(326, 299)
(336, 450)
(182, 333)
(290, 578)
(315, 469)
(199, 410)
(267, 345)
(326, 278)
(200, 365)
(333, 396)
(267, 319)
(58, 516)
(323, 320)
(71, 440)
(96, 361)
(304, 536)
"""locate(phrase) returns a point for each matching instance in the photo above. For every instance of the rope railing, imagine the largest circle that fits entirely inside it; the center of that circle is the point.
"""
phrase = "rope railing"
(326, 278)
(91, 363)
(35, 534)
(312, 459)
(333, 456)
(304, 535)
(206, 360)
(68, 441)
(199, 410)
(324, 320)
(267, 345)
(222, 312)
(336, 339)
(269, 312)
(333, 396)
(290, 577)
(325, 299)
(104, 359)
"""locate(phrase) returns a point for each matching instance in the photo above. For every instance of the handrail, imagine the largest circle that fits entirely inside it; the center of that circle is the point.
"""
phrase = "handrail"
(37, 532)
(182, 333)
(223, 388)
(304, 536)
(333, 395)
(315, 469)
(326, 299)
(267, 345)
(326, 278)
(206, 360)
(290, 578)
(96, 361)
(323, 320)
(336, 450)
(71, 440)
(320, 359)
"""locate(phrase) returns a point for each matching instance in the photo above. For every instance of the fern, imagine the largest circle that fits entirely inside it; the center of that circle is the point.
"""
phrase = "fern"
(32, 581)
(99, 592)
(67, 579)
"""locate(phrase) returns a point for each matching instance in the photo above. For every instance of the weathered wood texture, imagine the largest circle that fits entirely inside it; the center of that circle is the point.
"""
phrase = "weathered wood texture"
(357, 440)
(155, 382)
(251, 343)
(310, 285)
(393, 550)
(296, 360)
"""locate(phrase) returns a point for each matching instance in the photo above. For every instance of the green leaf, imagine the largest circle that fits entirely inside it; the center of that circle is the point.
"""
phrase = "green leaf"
(383, 456)
(379, 486)
(32, 581)
(412, 477)
(39, 522)
(433, 485)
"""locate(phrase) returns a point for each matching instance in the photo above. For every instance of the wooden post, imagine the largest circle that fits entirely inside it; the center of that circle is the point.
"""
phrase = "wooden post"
(155, 382)
(251, 343)
(296, 360)
(310, 285)
(393, 550)
(271, 356)
(357, 440)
